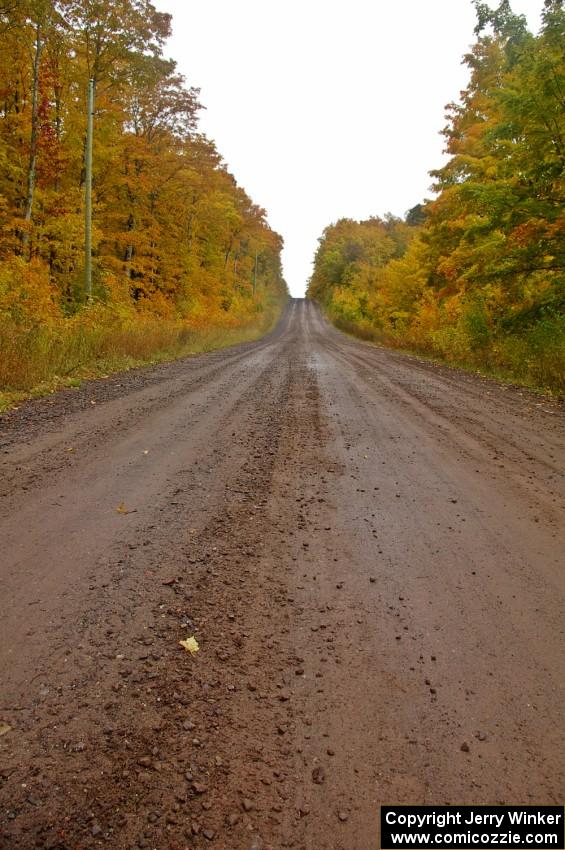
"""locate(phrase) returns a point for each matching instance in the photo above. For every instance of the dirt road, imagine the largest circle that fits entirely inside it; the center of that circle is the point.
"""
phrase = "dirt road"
(369, 551)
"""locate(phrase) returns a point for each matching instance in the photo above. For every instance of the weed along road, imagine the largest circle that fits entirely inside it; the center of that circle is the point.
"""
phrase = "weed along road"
(367, 549)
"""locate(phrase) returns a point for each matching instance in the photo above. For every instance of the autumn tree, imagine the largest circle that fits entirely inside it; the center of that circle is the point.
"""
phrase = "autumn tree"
(174, 234)
(484, 278)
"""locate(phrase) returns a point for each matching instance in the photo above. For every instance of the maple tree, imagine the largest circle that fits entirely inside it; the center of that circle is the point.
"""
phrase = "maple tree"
(478, 274)
(174, 235)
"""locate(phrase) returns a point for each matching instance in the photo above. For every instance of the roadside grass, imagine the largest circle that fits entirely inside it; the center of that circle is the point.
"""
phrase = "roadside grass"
(39, 360)
(535, 361)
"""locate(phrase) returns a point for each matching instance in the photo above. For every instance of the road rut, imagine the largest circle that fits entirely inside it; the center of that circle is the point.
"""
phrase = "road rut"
(368, 548)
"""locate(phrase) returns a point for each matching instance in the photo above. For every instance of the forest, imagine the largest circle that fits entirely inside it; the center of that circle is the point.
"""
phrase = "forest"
(475, 276)
(182, 259)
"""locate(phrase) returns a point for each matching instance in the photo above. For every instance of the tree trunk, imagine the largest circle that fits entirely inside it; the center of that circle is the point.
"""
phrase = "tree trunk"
(33, 138)
(58, 132)
(228, 254)
(129, 248)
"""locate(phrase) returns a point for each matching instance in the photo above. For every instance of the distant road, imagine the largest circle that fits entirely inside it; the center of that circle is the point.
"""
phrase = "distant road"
(368, 549)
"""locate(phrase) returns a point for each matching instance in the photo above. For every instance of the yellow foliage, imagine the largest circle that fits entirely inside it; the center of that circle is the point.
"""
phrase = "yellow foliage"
(27, 295)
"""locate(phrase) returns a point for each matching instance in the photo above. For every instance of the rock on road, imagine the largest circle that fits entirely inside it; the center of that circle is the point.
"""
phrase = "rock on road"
(367, 547)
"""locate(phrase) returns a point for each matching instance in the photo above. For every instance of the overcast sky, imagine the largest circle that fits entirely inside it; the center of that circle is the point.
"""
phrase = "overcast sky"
(326, 108)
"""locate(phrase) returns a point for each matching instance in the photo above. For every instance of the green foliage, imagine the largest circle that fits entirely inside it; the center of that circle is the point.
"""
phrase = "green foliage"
(478, 276)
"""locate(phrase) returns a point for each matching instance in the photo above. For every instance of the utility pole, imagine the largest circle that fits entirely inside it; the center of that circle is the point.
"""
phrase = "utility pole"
(255, 275)
(88, 195)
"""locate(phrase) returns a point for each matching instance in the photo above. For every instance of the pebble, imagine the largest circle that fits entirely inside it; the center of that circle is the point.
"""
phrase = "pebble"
(318, 775)
(465, 748)
(247, 805)
(343, 816)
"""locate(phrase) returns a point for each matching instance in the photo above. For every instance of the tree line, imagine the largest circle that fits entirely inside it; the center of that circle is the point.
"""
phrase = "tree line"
(476, 275)
(173, 236)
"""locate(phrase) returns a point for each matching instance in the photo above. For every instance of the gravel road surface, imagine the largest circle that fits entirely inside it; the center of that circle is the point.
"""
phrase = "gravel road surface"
(368, 549)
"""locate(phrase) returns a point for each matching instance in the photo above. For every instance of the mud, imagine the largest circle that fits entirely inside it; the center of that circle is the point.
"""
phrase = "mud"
(368, 549)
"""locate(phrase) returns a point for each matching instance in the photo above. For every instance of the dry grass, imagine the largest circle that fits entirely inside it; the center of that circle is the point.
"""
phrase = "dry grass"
(535, 360)
(39, 359)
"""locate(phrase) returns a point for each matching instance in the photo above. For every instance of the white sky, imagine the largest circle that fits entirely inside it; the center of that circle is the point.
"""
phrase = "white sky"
(326, 108)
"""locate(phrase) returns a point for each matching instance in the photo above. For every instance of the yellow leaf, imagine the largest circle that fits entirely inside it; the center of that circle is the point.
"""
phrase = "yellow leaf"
(121, 509)
(190, 644)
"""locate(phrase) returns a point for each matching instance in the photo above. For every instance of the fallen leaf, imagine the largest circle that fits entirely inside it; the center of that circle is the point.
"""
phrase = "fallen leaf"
(121, 509)
(4, 729)
(190, 644)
